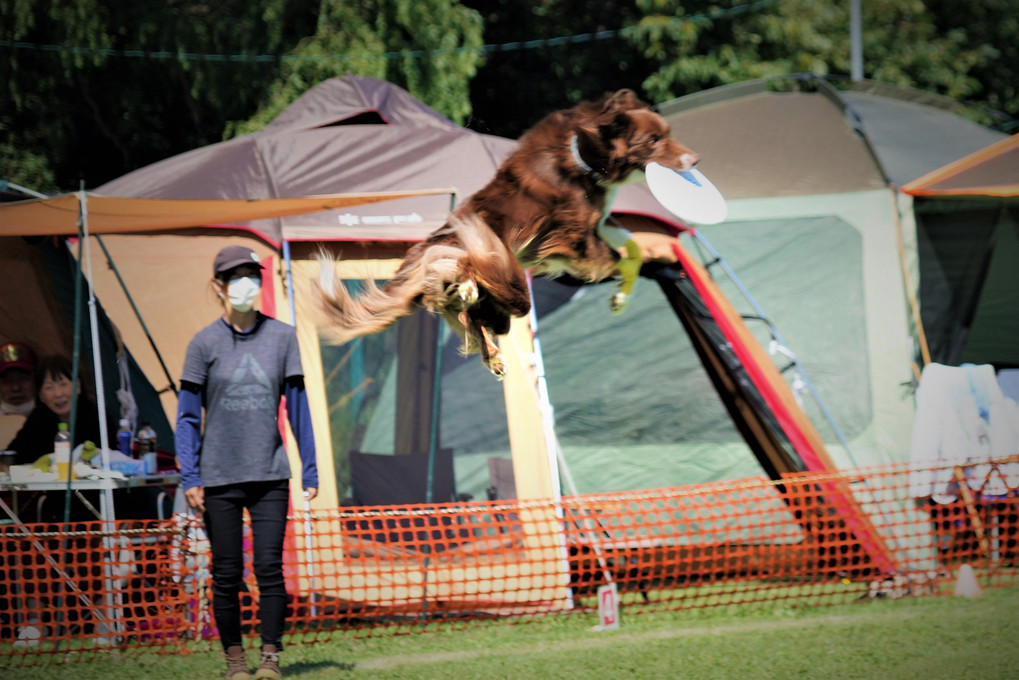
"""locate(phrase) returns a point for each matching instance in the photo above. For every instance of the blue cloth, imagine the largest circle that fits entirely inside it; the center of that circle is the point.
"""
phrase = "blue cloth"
(189, 435)
(299, 415)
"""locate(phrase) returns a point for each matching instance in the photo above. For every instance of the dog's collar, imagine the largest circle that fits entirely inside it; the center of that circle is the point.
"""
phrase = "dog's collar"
(581, 163)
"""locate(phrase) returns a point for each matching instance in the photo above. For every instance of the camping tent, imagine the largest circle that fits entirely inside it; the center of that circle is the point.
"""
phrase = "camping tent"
(629, 393)
(818, 233)
(350, 134)
(633, 388)
(967, 218)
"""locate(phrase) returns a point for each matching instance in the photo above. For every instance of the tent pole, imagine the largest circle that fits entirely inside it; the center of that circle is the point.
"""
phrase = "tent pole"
(433, 426)
(856, 41)
(97, 362)
(108, 513)
(76, 351)
(288, 275)
(556, 458)
(137, 312)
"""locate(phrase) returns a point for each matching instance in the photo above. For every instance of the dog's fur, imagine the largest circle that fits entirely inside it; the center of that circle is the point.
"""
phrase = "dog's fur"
(546, 209)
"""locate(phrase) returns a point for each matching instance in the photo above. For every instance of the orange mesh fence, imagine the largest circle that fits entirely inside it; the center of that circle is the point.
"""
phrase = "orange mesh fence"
(91, 586)
(808, 539)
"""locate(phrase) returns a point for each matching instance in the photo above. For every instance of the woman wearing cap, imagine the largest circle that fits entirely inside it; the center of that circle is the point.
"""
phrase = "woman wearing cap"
(54, 396)
(238, 368)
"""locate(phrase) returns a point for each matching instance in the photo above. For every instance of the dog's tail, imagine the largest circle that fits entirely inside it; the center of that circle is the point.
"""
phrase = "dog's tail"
(343, 316)
(427, 277)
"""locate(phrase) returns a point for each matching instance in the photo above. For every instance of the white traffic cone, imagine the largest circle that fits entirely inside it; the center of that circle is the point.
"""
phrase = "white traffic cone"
(966, 582)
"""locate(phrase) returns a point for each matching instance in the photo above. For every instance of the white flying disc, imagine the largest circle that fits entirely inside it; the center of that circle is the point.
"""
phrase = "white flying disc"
(687, 194)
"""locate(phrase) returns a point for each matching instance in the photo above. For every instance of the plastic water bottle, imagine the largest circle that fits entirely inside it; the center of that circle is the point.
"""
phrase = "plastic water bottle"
(124, 437)
(62, 452)
(147, 448)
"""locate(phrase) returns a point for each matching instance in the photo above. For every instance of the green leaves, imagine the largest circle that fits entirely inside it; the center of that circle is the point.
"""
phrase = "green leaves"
(952, 47)
(431, 48)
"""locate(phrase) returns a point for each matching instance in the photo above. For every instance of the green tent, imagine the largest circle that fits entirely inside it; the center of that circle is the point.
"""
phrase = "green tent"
(825, 245)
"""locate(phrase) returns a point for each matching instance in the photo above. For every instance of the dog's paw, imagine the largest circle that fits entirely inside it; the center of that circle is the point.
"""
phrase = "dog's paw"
(496, 366)
(618, 302)
(467, 291)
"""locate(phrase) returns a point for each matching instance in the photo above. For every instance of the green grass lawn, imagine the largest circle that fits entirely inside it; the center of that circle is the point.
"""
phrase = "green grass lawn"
(933, 638)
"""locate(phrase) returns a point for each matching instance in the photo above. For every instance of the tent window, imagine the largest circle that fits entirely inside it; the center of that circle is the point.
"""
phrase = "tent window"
(380, 391)
(968, 280)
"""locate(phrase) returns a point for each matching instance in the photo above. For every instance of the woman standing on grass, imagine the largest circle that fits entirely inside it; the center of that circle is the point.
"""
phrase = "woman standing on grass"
(238, 368)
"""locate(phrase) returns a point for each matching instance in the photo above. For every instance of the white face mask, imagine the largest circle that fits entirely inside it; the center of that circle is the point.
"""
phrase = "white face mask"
(21, 410)
(242, 292)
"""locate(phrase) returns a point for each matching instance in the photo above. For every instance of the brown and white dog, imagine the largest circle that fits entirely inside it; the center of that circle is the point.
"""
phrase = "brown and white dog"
(546, 209)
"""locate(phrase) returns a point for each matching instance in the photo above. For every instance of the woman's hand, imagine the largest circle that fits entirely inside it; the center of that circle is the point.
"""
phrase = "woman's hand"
(309, 493)
(196, 498)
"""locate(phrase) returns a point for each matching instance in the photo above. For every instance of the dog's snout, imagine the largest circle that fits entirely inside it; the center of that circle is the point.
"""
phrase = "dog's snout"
(689, 160)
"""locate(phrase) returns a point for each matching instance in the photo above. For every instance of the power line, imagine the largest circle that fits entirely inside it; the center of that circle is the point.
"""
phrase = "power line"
(486, 49)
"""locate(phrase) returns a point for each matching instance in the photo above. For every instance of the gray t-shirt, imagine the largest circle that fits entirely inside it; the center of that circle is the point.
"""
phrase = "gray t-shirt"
(243, 375)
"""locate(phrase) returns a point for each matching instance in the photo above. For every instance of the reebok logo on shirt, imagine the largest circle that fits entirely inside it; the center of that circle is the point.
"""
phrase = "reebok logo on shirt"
(249, 388)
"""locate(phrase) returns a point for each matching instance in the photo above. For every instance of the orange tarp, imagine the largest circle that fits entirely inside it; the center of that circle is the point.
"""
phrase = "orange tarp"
(116, 215)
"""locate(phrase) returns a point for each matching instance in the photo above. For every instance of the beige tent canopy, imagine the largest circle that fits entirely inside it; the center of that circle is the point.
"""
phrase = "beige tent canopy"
(60, 215)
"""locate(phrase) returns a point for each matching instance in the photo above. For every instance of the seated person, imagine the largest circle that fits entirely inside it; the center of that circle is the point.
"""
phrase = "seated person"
(17, 388)
(54, 395)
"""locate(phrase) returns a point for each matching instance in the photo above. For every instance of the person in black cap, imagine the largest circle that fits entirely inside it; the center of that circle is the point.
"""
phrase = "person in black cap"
(239, 367)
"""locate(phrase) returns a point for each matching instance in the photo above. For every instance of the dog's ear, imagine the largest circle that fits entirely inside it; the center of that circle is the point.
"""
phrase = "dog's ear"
(623, 100)
(616, 128)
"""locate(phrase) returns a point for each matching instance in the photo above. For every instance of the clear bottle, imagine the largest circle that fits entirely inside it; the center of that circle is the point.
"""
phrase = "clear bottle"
(125, 437)
(62, 452)
(147, 447)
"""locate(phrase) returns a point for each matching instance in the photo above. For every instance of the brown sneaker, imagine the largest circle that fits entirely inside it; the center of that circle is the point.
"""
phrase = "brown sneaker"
(269, 668)
(236, 664)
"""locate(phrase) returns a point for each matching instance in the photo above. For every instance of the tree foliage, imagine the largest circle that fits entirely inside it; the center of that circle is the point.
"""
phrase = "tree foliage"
(102, 88)
(990, 30)
(93, 89)
(99, 89)
(549, 55)
(431, 48)
(952, 47)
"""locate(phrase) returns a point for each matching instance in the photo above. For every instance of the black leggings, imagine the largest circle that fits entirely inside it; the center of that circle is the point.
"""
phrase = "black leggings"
(267, 504)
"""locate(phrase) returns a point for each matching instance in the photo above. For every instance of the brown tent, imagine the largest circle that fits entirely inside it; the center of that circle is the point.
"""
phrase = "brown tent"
(363, 137)
(351, 135)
